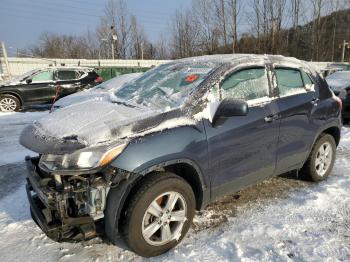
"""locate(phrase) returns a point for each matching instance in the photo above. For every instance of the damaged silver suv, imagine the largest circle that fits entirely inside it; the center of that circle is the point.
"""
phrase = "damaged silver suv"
(138, 163)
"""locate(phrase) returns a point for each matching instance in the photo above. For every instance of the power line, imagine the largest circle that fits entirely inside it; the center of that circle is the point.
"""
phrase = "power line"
(39, 18)
(147, 20)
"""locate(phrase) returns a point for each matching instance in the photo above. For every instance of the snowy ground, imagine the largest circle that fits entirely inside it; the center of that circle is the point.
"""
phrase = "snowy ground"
(11, 125)
(281, 219)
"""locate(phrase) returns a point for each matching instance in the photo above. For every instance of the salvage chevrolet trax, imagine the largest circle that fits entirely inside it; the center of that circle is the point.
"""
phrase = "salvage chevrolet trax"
(173, 140)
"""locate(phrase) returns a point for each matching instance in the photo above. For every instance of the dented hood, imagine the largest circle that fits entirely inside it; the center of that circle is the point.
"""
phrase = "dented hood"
(90, 124)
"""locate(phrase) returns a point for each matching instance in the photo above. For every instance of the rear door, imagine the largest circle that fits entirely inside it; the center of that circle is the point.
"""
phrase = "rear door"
(242, 149)
(297, 99)
(41, 89)
(68, 81)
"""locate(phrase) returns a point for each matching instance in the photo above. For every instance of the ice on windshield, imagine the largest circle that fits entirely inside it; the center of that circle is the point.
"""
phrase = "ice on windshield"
(167, 85)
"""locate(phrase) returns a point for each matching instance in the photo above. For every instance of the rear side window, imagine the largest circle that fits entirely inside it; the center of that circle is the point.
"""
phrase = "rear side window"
(306, 78)
(66, 75)
(42, 77)
(289, 81)
(247, 84)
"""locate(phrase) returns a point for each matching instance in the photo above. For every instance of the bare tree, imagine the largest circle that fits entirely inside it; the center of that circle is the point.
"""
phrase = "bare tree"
(184, 34)
(116, 20)
(235, 7)
(205, 23)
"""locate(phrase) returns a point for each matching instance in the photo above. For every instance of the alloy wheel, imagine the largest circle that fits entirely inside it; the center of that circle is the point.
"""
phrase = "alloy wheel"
(164, 219)
(324, 158)
(7, 104)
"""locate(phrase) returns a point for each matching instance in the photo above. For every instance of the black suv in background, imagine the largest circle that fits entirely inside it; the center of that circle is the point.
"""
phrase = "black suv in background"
(173, 140)
(43, 86)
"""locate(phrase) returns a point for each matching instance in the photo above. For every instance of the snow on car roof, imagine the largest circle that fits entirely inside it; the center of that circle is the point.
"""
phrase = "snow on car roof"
(68, 68)
(244, 58)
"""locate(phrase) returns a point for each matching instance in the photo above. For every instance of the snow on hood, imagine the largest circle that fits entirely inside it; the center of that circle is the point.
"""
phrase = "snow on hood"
(96, 122)
(338, 84)
(100, 92)
(339, 80)
(12, 82)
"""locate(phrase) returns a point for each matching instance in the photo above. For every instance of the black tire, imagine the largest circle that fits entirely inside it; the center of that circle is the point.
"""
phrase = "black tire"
(153, 186)
(309, 171)
(14, 100)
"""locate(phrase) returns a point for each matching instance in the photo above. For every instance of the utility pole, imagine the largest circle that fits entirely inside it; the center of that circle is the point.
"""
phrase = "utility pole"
(142, 50)
(233, 43)
(114, 38)
(5, 58)
(344, 45)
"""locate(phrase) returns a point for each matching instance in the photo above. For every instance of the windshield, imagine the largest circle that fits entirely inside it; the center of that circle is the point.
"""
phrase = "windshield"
(22, 77)
(166, 86)
(344, 75)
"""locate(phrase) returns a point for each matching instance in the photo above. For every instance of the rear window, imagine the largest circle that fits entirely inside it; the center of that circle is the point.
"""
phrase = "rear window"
(66, 75)
(289, 81)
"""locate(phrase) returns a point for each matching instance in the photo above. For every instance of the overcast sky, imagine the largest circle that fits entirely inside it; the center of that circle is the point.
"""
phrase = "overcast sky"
(22, 21)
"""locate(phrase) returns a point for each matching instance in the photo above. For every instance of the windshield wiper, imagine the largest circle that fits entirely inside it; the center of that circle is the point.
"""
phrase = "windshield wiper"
(124, 103)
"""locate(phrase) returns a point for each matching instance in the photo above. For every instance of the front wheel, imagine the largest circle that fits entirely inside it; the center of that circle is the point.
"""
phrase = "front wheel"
(9, 103)
(159, 214)
(321, 160)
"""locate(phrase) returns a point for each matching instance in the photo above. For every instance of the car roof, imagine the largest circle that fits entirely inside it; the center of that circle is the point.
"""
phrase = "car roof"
(67, 68)
(252, 58)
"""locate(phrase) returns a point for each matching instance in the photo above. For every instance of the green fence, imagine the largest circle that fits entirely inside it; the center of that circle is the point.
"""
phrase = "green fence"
(108, 73)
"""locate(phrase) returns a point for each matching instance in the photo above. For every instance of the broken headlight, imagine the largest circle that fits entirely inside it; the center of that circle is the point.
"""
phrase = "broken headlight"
(84, 159)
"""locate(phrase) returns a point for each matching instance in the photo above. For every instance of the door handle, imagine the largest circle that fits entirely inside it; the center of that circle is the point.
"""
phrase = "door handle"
(271, 118)
(315, 101)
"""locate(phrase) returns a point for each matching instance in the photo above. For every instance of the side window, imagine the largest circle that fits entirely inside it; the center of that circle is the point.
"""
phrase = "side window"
(309, 84)
(66, 75)
(246, 84)
(306, 78)
(42, 77)
(289, 81)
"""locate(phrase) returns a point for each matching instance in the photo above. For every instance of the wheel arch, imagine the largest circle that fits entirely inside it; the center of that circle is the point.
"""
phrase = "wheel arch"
(183, 168)
(13, 94)
(334, 132)
(331, 129)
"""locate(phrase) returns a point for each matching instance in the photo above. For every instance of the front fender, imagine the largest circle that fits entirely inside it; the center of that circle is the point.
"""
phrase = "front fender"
(186, 144)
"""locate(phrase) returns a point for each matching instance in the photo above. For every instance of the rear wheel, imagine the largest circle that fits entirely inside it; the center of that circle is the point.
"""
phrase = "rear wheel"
(158, 215)
(9, 103)
(321, 160)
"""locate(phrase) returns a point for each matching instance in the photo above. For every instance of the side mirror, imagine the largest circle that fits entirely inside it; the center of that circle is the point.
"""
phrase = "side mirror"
(229, 108)
(29, 81)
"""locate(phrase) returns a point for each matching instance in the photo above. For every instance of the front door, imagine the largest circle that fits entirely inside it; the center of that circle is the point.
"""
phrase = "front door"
(41, 89)
(242, 150)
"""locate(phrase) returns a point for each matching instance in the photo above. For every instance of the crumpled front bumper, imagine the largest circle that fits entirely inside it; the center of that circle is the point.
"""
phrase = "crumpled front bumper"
(47, 208)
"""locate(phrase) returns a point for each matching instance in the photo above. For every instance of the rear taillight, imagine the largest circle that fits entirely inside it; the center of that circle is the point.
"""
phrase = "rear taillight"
(339, 101)
(98, 80)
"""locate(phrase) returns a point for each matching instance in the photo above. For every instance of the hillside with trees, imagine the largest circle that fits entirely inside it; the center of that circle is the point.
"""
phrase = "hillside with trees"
(309, 30)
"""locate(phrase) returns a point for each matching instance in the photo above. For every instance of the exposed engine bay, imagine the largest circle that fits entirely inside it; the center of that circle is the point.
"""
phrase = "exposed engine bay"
(67, 207)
